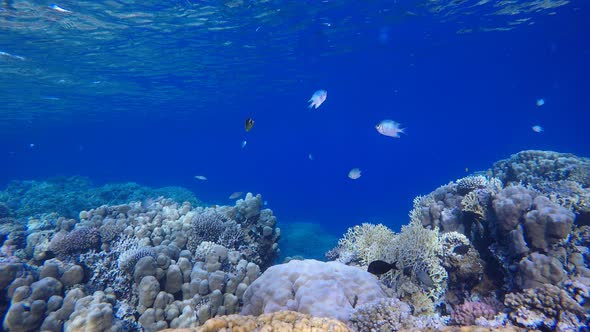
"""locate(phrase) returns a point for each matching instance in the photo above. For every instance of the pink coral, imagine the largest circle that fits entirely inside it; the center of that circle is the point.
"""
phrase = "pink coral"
(466, 313)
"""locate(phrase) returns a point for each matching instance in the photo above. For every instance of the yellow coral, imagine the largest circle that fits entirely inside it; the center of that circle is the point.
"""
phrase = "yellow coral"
(418, 249)
(470, 203)
(281, 321)
(368, 241)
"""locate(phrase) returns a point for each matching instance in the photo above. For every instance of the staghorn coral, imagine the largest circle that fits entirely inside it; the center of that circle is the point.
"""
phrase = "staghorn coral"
(110, 230)
(128, 259)
(417, 249)
(277, 321)
(205, 227)
(231, 236)
(367, 242)
(470, 183)
(79, 240)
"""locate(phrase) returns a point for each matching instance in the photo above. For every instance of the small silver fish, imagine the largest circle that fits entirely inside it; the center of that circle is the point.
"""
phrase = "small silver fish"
(317, 99)
(354, 173)
(236, 195)
(58, 8)
(244, 144)
(540, 102)
(390, 128)
(201, 177)
(537, 129)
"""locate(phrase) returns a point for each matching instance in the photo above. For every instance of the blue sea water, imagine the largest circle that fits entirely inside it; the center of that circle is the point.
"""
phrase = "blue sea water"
(157, 92)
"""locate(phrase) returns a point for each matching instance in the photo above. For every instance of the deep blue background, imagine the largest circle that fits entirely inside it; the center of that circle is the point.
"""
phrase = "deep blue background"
(467, 100)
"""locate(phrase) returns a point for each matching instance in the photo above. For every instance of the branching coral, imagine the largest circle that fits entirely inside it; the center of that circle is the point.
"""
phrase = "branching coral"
(417, 250)
(205, 227)
(79, 240)
(471, 183)
(368, 242)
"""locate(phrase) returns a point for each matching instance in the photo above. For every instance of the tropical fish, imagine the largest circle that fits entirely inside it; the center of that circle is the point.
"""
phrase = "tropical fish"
(540, 102)
(201, 177)
(380, 267)
(537, 129)
(236, 195)
(317, 98)
(354, 173)
(461, 250)
(58, 8)
(248, 124)
(390, 128)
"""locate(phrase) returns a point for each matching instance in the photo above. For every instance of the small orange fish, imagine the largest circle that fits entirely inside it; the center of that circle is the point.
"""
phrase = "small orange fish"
(248, 124)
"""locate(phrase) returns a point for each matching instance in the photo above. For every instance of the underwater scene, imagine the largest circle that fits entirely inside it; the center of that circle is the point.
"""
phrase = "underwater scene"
(308, 165)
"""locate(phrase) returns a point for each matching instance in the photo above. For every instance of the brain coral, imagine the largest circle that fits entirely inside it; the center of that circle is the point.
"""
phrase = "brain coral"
(312, 287)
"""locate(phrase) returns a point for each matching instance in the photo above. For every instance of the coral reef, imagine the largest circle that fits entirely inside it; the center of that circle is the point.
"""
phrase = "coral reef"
(69, 195)
(128, 267)
(523, 226)
(483, 252)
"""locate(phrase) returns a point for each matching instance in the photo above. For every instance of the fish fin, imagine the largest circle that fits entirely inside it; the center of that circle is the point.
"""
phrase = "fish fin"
(403, 131)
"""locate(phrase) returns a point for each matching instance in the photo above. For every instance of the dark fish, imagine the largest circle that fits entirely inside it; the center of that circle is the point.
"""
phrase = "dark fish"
(461, 250)
(248, 124)
(380, 267)
(424, 279)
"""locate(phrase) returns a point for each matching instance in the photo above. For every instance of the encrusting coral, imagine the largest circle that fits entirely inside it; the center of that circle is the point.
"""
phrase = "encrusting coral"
(277, 321)
(546, 307)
